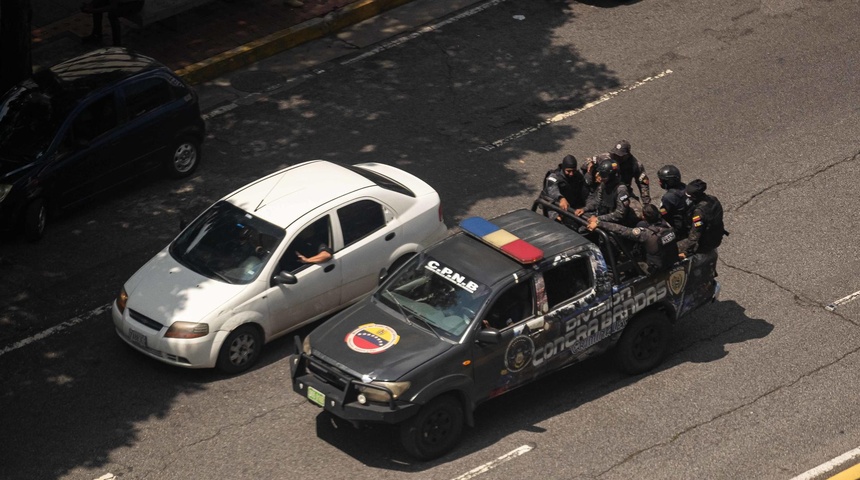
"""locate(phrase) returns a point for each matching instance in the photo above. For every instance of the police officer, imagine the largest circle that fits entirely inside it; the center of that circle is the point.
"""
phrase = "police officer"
(673, 205)
(589, 170)
(630, 169)
(705, 221)
(611, 201)
(565, 186)
(657, 236)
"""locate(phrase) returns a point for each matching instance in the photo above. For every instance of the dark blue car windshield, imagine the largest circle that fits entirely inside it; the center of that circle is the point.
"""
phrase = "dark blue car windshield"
(29, 119)
(227, 243)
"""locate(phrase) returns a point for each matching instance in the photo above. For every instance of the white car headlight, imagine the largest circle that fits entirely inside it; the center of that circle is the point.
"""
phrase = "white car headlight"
(4, 190)
(187, 330)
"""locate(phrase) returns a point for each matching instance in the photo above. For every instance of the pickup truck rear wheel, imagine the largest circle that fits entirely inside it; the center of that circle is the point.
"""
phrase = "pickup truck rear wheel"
(644, 343)
(435, 430)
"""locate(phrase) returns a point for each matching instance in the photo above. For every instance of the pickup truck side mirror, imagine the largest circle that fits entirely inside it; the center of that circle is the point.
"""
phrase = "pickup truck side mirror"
(286, 278)
(489, 335)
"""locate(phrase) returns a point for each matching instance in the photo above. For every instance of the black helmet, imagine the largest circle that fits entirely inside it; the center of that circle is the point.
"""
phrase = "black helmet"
(569, 161)
(669, 175)
(607, 169)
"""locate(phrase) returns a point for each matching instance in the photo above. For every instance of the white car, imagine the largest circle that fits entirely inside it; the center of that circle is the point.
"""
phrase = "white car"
(233, 280)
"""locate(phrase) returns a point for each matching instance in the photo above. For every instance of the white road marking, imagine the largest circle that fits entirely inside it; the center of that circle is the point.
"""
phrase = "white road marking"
(55, 329)
(422, 31)
(565, 115)
(828, 466)
(381, 48)
(495, 463)
(842, 300)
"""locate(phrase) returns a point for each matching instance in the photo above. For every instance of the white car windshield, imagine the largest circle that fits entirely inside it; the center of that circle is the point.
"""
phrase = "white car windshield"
(435, 295)
(227, 243)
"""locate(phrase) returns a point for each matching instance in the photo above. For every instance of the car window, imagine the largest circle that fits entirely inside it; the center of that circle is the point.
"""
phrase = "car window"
(511, 307)
(227, 243)
(566, 281)
(359, 219)
(146, 95)
(95, 119)
(310, 241)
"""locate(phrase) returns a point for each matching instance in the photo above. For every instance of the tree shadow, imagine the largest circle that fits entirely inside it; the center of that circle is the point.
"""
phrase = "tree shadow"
(701, 337)
(496, 76)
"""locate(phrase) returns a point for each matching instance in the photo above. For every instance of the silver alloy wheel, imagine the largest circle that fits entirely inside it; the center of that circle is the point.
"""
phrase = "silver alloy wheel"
(184, 157)
(242, 349)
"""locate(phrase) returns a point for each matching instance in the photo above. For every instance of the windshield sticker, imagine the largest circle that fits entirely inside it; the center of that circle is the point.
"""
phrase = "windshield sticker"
(452, 276)
(372, 338)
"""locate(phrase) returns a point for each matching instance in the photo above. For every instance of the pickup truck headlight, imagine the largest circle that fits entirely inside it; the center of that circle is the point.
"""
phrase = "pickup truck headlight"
(187, 330)
(4, 190)
(376, 395)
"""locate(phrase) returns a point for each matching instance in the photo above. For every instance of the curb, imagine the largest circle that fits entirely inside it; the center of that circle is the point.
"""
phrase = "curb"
(278, 42)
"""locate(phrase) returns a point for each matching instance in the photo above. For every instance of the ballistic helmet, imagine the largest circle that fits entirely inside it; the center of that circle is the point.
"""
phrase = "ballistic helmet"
(669, 175)
(607, 169)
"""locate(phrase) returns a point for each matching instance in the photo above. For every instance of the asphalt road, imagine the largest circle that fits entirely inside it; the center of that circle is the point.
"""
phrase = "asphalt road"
(757, 97)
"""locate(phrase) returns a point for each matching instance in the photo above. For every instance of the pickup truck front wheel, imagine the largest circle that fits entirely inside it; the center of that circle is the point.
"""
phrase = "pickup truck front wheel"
(644, 343)
(435, 430)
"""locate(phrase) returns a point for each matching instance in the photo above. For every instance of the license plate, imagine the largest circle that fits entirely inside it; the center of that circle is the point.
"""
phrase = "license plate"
(137, 338)
(316, 396)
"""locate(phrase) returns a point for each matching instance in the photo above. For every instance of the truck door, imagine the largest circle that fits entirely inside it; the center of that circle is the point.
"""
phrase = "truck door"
(509, 363)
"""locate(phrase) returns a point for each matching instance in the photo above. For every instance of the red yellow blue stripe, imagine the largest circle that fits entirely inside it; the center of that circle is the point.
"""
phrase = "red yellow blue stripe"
(501, 239)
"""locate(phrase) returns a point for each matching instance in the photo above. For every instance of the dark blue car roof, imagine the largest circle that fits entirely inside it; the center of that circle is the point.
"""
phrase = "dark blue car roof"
(94, 70)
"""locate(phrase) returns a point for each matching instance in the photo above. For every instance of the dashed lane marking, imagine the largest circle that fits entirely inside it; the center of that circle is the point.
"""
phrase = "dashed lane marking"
(843, 300)
(562, 116)
(495, 463)
(55, 329)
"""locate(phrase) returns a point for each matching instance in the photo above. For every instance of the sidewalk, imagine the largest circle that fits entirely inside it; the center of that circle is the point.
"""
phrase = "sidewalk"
(207, 41)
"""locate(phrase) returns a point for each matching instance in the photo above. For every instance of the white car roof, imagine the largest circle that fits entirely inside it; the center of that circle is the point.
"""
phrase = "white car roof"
(286, 195)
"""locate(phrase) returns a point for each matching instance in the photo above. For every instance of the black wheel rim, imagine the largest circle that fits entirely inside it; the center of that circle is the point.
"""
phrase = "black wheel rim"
(647, 343)
(437, 428)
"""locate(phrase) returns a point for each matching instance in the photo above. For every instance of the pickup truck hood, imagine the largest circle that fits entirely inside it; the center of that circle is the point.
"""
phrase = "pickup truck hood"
(166, 291)
(369, 342)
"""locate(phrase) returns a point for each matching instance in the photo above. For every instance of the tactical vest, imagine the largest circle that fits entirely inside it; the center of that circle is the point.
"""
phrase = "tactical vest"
(712, 217)
(606, 204)
(661, 248)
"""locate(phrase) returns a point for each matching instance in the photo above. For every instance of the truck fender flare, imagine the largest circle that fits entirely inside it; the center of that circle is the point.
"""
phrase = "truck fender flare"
(460, 386)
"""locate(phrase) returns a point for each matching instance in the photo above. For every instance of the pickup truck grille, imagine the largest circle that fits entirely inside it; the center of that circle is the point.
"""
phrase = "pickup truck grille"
(327, 374)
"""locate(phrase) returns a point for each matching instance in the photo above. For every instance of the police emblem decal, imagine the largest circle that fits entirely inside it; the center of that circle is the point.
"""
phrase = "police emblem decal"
(676, 281)
(372, 338)
(519, 353)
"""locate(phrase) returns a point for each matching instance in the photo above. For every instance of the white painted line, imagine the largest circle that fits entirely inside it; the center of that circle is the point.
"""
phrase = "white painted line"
(565, 115)
(381, 48)
(422, 31)
(826, 467)
(54, 329)
(842, 300)
(495, 463)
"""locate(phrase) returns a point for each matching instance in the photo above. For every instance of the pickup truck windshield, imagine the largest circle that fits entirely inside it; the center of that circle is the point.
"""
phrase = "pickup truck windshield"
(436, 294)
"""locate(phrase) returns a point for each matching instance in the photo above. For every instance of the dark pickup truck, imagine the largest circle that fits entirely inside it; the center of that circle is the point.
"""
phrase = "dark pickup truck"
(489, 309)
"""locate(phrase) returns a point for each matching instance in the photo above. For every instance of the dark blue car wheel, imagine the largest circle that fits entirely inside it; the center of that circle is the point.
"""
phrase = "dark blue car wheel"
(184, 157)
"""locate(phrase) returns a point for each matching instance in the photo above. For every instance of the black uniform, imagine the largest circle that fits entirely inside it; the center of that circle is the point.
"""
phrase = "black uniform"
(661, 245)
(557, 185)
(611, 203)
(674, 209)
(705, 225)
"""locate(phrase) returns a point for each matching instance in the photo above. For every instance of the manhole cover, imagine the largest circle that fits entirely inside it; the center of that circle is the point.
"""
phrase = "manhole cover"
(255, 81)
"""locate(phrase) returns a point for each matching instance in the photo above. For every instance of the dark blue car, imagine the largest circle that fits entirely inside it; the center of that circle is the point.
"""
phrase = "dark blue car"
(87, 125)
